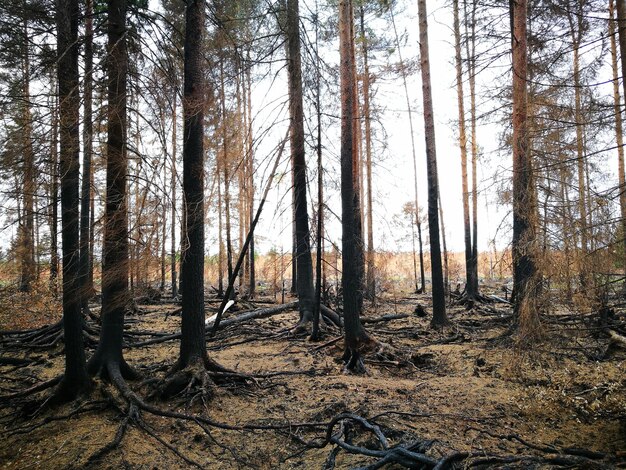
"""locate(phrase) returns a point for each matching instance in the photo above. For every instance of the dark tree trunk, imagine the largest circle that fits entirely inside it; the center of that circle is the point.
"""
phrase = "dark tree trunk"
(524, 217)
(173, 185)
(192, 345)
(439, 297)
(621, 34)
(315, 331)
(471, 57)
(250, 159)
(619, 137)
(54, 198)
(75, 379)
(27, 245)
(226, 172)
(304, 275)
(371, 274)
(351, 279)
(83, 269)
(469, 271)
(108, 361)
(220, 229)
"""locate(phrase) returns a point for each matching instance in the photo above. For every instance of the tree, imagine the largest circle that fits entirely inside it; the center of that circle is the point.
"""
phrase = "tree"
(85, 264)
(619, 137)
(304, 275)
(27, 244)
(418, 221)
(439, 297)
(192, 346)
(370, 284)
(524, 218)
(75, 379)
(470, 284)
(108, 359)
(351, 278)
(193, 361)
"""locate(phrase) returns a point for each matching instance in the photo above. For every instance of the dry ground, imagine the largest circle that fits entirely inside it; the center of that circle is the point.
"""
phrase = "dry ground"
(466, 388)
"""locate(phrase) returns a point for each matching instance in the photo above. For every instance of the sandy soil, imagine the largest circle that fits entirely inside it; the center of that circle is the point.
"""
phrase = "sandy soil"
(467, 388)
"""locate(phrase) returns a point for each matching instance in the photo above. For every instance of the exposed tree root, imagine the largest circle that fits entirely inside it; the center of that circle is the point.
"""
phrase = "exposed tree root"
(32, 390)
(197, 380)
(353, 356)
(414, 454)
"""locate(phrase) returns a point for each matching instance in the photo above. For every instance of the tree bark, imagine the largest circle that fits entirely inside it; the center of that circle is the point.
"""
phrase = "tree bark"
(108, 359)
(27, 246)
(523, 245)
(471, 56)
(351, 280)
(304, 275)
(619, 137)
(439, 298)
(84, 277)
(371, 267)
(575, 22)
(193, 345)
(75, 379)
(469, 271)
(54, 196)
(173, 186)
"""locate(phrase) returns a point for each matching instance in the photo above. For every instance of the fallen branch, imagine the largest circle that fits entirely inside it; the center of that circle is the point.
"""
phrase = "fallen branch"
(242, 317)
(384, 318)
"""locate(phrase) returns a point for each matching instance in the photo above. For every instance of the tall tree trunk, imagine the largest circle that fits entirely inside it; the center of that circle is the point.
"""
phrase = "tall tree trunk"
(471, 56)
(439, 297)
(524, 214)
(619, 137)
(250, 160)
(54, 196)
(225, 169)
(173, 186)
(575, 21)
(220, 229)
(469, 271)
(304, 275)
(75, 379)
(418, 220)
(371, 273)
(621, 35)
(83, 268)
(320, 191)
(27, 245)
(351, 280)
(108, 359)
(164, 196)
(193, 345)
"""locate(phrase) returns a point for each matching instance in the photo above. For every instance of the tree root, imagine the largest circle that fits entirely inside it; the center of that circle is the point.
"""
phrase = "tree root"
(414, 454)
(197, 380)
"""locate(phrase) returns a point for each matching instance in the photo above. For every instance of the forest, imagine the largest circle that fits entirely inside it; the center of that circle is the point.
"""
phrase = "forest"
(312, 234)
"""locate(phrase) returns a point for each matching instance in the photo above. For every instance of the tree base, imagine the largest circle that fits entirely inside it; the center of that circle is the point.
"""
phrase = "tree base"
(197, 379)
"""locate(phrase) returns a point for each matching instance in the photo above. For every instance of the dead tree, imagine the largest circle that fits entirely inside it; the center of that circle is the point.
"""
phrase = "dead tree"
(75, 379)
(524, 219)
(351, 279)
(108, 359)
(439, 297)
(85, 202)
(304, 275)
(470, 294)
(193, 362)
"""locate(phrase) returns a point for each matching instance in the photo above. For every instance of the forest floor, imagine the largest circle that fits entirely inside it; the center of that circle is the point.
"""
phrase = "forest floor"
(466, 388)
